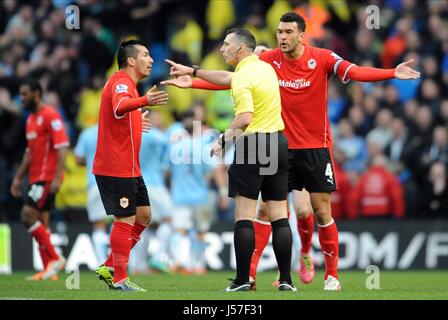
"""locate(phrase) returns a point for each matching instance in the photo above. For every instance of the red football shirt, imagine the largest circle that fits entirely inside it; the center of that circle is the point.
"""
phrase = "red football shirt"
(303, 88)
(119, 137)
(44, 134)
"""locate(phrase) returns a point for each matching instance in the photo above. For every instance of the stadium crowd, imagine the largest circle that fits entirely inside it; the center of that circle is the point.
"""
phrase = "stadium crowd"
(390, 138)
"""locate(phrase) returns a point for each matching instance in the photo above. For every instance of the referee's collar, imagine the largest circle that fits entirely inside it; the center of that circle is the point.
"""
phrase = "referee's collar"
(246, 60)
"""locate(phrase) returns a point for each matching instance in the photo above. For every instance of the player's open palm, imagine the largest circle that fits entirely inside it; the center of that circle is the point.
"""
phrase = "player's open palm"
(156, 98)
(180, 82)
(405, 72)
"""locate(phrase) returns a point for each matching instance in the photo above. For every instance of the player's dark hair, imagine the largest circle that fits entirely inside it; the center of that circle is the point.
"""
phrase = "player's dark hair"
(127, 49)
(245, 36)
(34, 85)
(294, 17)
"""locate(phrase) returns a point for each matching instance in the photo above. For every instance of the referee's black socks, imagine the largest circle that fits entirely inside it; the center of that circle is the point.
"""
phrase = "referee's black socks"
(244, 240)
(282, 244)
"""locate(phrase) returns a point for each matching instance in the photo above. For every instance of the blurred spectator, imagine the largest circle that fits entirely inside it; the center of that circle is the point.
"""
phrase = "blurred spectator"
(430, 95)
(395, 149)
(89, 103)
(72, 195)
(420, 139)
(315, 15)
(378, 194)
(12, 144)
(391, 98)
(255, 23)
(188, 36)
(340, 198)
(220, 15)
(276, 10)
(434, 195)
(336, 103)
(395, 44)
(382, 134)
(363, 47)
(443, 116)
(96, 29)
(438, 150)
(353, 147)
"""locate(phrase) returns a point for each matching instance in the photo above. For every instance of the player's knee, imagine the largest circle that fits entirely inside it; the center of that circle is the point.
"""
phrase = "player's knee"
(262, 213)
(323, 214)
(28, 218)
(303, 211)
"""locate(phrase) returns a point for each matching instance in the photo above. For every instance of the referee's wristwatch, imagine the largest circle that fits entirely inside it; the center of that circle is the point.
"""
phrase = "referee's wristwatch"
(195, 69)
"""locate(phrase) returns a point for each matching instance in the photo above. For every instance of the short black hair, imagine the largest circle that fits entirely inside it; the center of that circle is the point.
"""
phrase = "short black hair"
(34, 85)
(126, 50)
(245, 35)
(294, 17)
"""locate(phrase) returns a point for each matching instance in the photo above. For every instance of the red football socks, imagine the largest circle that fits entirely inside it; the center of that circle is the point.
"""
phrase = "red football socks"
(43, 253)
(136, 231)
(306, 228)
(329, 242)
(42, 237)
(262, 231)
(120, 247)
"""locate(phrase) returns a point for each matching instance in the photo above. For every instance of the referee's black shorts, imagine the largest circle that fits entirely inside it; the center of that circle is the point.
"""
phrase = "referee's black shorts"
(311, 169)
(260, 164)
(122, 196)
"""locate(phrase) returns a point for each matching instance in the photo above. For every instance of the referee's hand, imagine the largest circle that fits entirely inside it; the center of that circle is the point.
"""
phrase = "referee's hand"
(178, 69)
(156, 98)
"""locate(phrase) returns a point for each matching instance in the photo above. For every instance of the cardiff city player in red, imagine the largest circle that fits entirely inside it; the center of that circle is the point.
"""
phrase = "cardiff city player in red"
(303, 73)
(47, 145)
(116, 164)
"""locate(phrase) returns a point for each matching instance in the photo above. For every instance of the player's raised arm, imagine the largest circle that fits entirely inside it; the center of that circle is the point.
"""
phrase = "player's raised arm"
(152, 97)
(347, 70)
(185, 82)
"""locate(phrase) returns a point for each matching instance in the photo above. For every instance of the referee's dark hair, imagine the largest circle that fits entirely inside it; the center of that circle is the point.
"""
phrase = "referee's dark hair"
(34, 85)
(127, 49)
(294, 17)
(245, 36)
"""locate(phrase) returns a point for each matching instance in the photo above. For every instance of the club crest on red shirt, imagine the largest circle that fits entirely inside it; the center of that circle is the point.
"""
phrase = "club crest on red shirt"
(312, 64)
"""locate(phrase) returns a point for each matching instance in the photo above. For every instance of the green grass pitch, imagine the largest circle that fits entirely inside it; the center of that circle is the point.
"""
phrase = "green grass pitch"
(393, 285)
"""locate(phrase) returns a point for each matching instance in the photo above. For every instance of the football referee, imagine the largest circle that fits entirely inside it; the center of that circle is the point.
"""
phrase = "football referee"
(261, 152)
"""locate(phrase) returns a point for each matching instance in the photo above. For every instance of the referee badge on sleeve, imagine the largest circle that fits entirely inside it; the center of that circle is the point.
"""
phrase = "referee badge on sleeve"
(124, 202)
